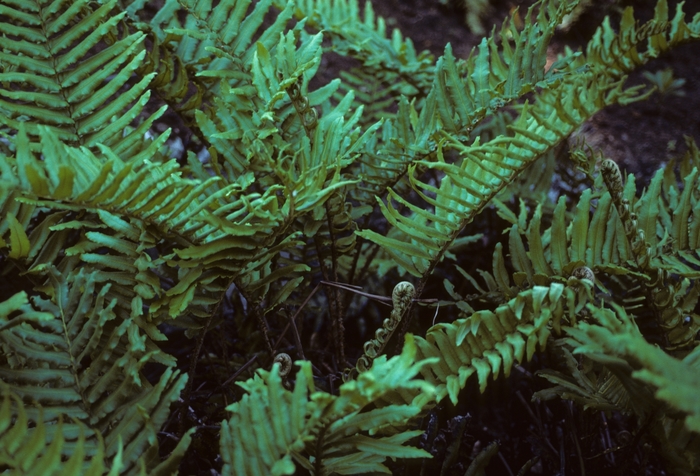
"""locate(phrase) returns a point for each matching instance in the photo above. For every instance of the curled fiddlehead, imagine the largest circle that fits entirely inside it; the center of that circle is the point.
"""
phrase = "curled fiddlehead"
(285, 362)
(635, 235)
(659, 291)
(401, 297)
(583, 272)
(309, 116)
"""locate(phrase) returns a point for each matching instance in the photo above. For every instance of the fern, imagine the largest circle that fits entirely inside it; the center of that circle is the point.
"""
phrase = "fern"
(323, 433)
(487, 340)
(74, 358)
(37, 447)
(375, 174)
(617, 342)
(483, 172)
(50, 76)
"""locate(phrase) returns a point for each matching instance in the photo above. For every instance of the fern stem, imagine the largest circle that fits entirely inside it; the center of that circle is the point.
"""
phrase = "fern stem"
(337, 316)
(187, 392)
(656, 290)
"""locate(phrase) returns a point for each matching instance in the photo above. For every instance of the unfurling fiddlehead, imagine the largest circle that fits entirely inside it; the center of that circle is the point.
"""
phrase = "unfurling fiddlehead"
(285, 362)
(635, 235)
(582, 272)
(660, 293)
(403, 294)
(308, 115)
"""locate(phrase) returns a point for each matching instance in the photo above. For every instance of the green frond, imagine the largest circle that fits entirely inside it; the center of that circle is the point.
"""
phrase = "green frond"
(617, 342)
(323, 433)
(488, 340)
(594, 386)
(390, 152)
(71, 354)
(486, 169)
(104, 238)
(174, 80)
(365, 38)
(617, 53)
(225, 26)
(51, 78)
(28, 445)
(466, 90)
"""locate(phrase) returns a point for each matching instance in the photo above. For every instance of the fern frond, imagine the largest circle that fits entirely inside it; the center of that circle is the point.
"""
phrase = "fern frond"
(485, 170)
(50, 77)
(488, 340)
(75, 358)
(365, 38)
(227, 26)
(323, 433)
(675, 382)
(28, 445)
(388, 154)
(595, 387)
(619, 53)
(465, 91)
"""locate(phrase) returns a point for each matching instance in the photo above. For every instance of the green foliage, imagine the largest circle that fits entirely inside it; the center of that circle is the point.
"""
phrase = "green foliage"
(487, 340)
(323, 433)
(617, 342)
(37, 449)
(46, 351)
(51, 74)
(108, 243)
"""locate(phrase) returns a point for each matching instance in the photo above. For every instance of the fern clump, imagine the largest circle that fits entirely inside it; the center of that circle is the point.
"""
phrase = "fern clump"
(121, 264)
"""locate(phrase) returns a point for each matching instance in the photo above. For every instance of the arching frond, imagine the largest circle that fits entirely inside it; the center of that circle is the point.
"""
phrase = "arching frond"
(484, 170)
(488, 340)
(365, 37)
(617, 53)
(466, 91)
(28, 445)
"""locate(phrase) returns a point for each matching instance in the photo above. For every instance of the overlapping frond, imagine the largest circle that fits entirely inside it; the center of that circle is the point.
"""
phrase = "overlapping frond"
(418, 237)
(488, 340)
(228, 26)
(617, 53)
(495, 74)
(617, 342)
(365, 38)
(595, 387)
(112, 239)
(421, 237)
(71, 355)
